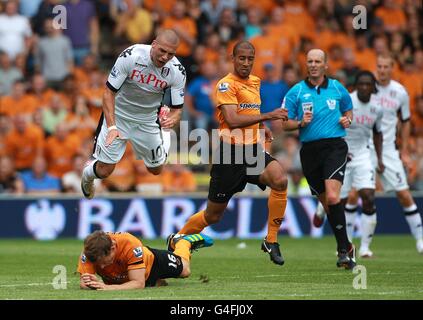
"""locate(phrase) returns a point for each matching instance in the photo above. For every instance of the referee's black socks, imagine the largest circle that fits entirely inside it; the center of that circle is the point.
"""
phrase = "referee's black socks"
(336, 218)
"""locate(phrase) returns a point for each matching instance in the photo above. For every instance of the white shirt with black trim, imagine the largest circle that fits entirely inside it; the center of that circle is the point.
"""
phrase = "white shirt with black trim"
(140, 85)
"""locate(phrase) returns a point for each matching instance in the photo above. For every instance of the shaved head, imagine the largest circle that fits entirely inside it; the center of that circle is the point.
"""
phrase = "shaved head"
(318, 53)
(317, 64)
(242, 45)
(168, 36)
(164, 47)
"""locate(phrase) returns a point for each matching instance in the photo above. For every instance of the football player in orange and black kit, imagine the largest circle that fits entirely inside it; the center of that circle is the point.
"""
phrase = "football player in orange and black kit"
(123, 262)
(240, 120)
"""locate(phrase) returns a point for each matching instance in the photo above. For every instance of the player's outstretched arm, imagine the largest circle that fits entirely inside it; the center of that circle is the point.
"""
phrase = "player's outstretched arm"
(236, 120)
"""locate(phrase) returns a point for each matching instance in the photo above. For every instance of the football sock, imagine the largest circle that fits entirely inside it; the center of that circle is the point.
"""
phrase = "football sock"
(350, 215)
(368, 226)
(276, 204)
(182, 249)
(90, 171)
(195, 224)
(336, 218)
(414, 220)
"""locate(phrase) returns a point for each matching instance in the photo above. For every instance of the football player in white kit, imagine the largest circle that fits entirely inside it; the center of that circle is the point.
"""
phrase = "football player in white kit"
(360, 172)
(394, 100)
(131, 107)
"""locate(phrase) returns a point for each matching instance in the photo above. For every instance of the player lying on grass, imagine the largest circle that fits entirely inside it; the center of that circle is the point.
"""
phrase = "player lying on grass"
(123, 262)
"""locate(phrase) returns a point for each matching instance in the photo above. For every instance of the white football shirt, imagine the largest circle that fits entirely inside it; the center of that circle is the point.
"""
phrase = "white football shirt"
(366, 117)
(140, 85)
(394, 100)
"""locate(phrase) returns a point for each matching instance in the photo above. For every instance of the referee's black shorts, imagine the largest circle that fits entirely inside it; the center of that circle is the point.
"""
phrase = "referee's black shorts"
(230, 178)
(323, 160)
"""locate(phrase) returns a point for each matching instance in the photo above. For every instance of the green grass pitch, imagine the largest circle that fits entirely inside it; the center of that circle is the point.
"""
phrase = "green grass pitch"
(225, 271)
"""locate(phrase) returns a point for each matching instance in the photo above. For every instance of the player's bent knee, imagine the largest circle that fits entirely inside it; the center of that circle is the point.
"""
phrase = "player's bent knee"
(186, 271)
(332, 199)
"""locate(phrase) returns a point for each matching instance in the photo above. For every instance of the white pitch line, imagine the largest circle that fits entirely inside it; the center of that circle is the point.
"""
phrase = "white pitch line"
(31, 284)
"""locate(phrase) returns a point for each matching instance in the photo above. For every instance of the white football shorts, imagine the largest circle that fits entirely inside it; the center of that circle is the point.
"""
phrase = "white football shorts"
(359, 174)
(394, 177)
(146, 140)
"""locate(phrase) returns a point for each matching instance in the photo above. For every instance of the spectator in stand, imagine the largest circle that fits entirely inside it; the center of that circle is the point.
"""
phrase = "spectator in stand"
(178, 178)
(53, 55)
(29, 8)
(82, 28)
(198, 98)
(10, 181)
(54, 114)
(392, 15)
(70, 91)
(5, 128)
(201, 19)
(186, 29)
(9, 74)
(350, 68)
(364, 56)
(60, 149)
(272, 92)
(40, 92)
(24, 143)
(93, 94)
(253, 27)
(44, 12)
(135, 24)
(82, 73)
(38, 181)
(18, 102)
(267, 53)
(228, 27)
(79, 122)
(213, 9)
(15, 31)
(290, 75)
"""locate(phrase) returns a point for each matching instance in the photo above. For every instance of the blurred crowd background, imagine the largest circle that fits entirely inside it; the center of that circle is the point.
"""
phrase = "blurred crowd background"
(52, 80)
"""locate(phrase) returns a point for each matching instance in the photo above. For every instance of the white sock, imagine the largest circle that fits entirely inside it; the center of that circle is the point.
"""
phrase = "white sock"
(89, 171)
(414, 220)
(368, 226)
(350, 215)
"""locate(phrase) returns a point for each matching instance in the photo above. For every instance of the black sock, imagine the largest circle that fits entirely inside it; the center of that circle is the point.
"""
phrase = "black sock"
(95, 170)
(336, 218)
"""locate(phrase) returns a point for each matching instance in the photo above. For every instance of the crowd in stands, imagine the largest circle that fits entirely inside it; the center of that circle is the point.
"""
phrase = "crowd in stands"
(52, 78)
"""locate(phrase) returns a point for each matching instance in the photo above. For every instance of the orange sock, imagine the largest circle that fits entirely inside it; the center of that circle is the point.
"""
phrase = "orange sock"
(182, 248)
(277, 204)
(195, 224)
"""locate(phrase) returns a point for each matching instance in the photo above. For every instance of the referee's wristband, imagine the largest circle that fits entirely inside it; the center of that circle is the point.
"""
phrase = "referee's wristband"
(111, 128)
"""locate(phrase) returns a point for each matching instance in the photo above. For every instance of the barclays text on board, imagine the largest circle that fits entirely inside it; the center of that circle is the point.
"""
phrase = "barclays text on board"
(246, 217)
